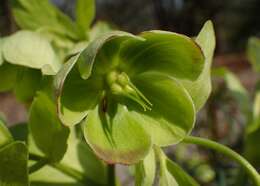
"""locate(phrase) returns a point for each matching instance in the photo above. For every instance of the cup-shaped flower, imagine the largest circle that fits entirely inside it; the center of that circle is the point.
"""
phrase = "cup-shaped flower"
(128, 94)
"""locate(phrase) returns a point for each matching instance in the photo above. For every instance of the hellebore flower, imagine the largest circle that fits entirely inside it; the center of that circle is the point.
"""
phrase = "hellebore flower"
(130, 92)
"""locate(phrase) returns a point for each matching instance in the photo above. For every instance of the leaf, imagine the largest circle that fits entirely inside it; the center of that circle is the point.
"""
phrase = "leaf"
(5, 136)
(179, 174)
(80, 157)
(31, 50)
(116, 138)
(19, 132)
(1, 48)
(99, 29)
(8, 77)
(201, 88)
(13, 165)
(53, 141)
(252, 134)
(145, 170)
(253, 52)
(172, 114)
(28, 82)
(237, 90)
(85, 13)
(34, 15)
(164, 52)
(172, 174)
(49, 176)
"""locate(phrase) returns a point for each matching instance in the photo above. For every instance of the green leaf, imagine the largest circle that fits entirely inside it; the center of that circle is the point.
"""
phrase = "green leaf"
(1, 48)
(53, 141)
(252, 151)
(179, 174)
(85, 13)
(253, 52)
(49, 176)
(80, 157)
(19, 132)
(172, 174)
(34, 15)
(236, 89)
(8, 77)
(28, 82)
(99, 29)
(252, 133)
(165, 52)
(145, 170)
(172, 113)
(201, 88)
(30, 49)
(13, 165)
(116, 138)
(5, 136)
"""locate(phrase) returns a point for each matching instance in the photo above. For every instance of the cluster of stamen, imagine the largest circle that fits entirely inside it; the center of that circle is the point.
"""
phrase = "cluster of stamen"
(120, 84)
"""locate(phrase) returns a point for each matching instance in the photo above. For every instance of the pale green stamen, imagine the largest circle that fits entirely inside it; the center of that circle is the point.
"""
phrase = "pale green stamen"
(120, 84)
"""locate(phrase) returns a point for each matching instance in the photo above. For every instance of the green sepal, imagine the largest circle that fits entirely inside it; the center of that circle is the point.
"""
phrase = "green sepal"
(172, 174)
(113, 40)
(75, 96)
(145, 170)
(116, 136)
(165, 52)
(172, 113)
(201, 88)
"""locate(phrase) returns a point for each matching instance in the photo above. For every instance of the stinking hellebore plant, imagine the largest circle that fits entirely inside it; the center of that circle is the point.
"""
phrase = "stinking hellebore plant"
(131, 93)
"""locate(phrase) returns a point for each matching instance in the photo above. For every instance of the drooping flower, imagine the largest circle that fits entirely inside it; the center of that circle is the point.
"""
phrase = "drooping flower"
(130, 92)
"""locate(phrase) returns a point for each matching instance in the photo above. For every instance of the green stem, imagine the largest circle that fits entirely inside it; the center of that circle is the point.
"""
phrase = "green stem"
(228, 152)
(38, 165)
(111, 175)
(69, 171)
(77, 175)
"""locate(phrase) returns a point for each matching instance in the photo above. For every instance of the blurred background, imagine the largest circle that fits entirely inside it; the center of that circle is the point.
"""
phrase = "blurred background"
(221, 119)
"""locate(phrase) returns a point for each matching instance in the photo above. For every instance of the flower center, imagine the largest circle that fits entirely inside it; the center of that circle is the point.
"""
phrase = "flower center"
(120, 84)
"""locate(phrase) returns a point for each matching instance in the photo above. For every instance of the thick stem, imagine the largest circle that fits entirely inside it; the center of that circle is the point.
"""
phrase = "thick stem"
(38, 165)
(228, 152)
(111, 175)
(62, 168)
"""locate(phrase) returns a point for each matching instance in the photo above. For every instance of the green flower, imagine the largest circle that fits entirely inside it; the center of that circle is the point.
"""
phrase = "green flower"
(130, 92)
